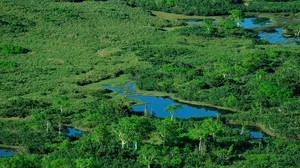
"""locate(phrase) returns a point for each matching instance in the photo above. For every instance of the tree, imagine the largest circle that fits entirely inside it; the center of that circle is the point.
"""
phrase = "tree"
(122, 129)
(61, 102)
(166, 130)
(172, 109)
(268, 94)
(84, 163)
(208, 127)
(236, 15)
(198, 133)
(141, 127)
(131, 130)
(227, 24)
(208, 25)
(170, 157)
(148, 154)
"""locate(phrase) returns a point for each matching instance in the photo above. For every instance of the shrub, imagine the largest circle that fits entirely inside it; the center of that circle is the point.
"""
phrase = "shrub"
(12, 49)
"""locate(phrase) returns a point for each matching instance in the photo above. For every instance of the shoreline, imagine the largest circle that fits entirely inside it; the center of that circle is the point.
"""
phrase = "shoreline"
(180, 100)
(260, 126)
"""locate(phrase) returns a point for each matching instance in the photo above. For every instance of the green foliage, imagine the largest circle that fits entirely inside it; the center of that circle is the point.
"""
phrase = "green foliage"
(148, 155)
(236, 15)
(131, 130)
(12, 49)
(8, 64)
(172, 109)
(216, 7)
(14, 24)
(22, 107)
(227, 24)
(76, 47)
(16, 161)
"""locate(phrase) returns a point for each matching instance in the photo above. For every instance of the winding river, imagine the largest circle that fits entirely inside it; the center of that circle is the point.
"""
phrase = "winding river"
(157, 104)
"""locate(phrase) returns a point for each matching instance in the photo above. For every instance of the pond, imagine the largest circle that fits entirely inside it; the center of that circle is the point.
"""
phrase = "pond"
(157, 104)
(255, 22)
(6, 152)
(73, 132)
(253, 132)
(277, 36)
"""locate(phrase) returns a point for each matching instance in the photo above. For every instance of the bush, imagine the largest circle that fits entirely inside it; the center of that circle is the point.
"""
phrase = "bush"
(12, 49)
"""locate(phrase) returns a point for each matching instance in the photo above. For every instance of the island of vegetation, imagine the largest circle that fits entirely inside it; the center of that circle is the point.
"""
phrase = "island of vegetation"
(58, 57)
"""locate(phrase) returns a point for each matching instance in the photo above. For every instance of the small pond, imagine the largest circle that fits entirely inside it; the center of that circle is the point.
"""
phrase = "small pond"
(253, 132)
(6, 152)
(157, 104)
(277, 36)
(73, 132)
(255, 22)
(256, 134)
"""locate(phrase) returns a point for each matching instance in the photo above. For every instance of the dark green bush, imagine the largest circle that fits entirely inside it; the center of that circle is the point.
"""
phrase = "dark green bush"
(12, 49)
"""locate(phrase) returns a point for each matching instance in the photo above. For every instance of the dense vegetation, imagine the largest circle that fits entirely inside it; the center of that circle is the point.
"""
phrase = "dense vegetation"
(216, 7)
(55, 57)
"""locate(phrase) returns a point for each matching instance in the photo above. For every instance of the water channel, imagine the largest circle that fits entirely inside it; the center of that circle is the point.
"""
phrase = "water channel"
(157, 104)
(6, 152)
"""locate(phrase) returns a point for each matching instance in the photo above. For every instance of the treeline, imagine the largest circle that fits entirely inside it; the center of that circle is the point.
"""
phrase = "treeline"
(216, 7)
(137, 141)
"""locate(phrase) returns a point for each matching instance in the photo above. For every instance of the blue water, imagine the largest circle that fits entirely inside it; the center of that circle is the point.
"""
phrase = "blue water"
(277, 37)
(252, 132)
(248, 22)
(157, 104)
(73, 132)
(256, 134)
(272, 37)
(6, 152)
(252, 22)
